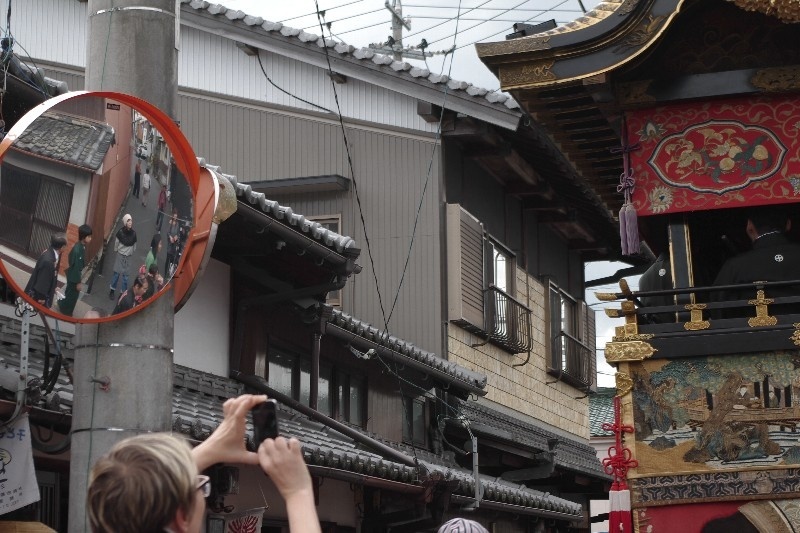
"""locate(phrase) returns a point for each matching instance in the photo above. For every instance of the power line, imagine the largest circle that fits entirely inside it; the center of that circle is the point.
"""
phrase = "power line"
(496, 9)
(495, 20)
(284, 91)
(324, 11)
(490, 19)
(505, 30)
(445, 22)
(329, 22)
(363, 27)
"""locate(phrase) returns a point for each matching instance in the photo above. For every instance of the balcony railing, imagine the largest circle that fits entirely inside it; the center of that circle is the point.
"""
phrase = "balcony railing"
(508, 322)
(759, 317)
(572, 360)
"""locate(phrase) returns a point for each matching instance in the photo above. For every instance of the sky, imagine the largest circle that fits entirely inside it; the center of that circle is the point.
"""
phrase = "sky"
(436, 21)
(363, 22)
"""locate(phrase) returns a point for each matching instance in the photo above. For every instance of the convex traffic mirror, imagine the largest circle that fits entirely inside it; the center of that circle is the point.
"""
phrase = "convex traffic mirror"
(97, 205)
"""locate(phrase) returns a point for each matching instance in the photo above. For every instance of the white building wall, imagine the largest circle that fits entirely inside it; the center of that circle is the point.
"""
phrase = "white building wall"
(56, 31)
(202, 337)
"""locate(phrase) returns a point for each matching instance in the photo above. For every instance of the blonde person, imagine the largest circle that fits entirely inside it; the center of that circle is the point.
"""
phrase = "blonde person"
(150, 483)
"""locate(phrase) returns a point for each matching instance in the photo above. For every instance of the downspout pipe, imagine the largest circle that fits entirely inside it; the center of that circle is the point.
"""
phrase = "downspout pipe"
(257, 383)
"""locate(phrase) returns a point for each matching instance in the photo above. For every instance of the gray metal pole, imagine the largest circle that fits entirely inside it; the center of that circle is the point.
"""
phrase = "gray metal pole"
(123, 370)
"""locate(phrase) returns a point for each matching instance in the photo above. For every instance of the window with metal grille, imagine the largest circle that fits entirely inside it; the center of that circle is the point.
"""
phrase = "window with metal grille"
(33, 206)
(571, 356)
(481, 275)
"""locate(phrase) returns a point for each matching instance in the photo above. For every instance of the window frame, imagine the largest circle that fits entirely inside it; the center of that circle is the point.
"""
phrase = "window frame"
(565, 346)
(420, 441)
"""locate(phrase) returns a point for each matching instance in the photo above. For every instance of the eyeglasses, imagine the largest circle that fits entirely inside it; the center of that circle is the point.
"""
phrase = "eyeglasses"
(204, 485)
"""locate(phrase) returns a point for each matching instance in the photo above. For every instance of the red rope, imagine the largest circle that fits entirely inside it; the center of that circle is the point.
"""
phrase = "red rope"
(620, 459)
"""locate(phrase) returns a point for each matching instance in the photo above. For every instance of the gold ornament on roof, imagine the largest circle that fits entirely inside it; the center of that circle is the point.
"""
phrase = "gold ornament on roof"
(785, 10)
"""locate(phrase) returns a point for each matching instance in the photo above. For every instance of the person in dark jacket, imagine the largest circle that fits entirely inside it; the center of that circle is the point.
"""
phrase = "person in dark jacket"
(42, 284)
(773, 257)
(74, 272)
(658, 278)
(133, 297)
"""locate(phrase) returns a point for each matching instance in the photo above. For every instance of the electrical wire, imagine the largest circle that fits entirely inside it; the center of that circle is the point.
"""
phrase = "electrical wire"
(493, 9)
(505, 30)
(324, 10)
(363, 27)
(445, 22)
(350, 164)
(490, 19)
(284, 91)
(346, 18)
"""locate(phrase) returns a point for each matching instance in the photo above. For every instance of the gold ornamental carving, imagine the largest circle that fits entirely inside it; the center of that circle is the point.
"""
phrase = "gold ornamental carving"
(624, 383)
(635, 92)
(527, 74)
(514, 46)
(605, 296)
(762, 317)
(785, 10)
(696, 322)
(796, 335)
(625, 351)
(626, 7)
(777, 79)
(642, 35)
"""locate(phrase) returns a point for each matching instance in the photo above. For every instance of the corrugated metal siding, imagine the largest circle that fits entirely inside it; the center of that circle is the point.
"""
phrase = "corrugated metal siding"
(56, 31)
(212, 63)
(258, 145)
(390, 173)
(53, 30)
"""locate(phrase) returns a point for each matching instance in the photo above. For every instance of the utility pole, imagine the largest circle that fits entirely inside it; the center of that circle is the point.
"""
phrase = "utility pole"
(132, 48)
(394, 44)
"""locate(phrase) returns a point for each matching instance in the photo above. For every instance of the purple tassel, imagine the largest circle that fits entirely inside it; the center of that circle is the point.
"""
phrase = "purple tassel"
(631, 229)
(623, 231)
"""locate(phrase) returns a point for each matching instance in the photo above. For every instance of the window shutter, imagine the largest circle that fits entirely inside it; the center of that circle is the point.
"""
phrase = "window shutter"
(588, 337)
(465, 263)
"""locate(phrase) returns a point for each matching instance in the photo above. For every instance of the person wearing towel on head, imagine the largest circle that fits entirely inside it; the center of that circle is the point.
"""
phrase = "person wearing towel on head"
(124, 246)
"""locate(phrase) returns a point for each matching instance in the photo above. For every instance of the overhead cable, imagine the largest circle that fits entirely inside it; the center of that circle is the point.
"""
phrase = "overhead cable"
(323, 11)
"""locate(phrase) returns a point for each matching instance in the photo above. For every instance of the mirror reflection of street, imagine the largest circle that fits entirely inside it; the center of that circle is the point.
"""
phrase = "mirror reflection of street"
(93, 163)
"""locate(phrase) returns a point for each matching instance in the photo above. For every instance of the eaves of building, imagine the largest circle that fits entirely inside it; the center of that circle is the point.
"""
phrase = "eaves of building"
(493, 107)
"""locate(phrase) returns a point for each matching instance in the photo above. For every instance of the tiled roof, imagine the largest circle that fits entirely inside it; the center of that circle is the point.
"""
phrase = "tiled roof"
(244, 193)
(601, 411)
(338, 49)
(196, 414)
(570, 454)
(74, 140)
(197, 410)
(381, 338)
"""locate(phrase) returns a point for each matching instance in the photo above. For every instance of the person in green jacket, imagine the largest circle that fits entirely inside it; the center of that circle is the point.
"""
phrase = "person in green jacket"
(152, 254)
(74, 272)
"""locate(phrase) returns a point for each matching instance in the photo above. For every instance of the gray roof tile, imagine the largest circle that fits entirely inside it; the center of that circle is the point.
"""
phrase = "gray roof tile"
(570, 454)
(73, 140)
(357, 53)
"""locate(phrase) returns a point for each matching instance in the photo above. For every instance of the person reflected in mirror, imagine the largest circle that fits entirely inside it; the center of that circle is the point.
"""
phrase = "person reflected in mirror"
(162, 205)
(124, 246)
(74, 272)
(41, 285)
(773, 257)
(145, 185)
(152, 253)
(154, 280)
(132, 298)
(137, 178)
(173, 241)
(151, 482)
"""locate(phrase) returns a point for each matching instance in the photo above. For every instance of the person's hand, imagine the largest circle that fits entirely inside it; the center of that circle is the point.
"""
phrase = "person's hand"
(282, 460)
(226, 444)
(79, 287)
